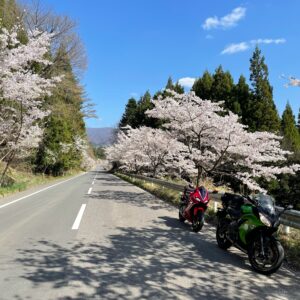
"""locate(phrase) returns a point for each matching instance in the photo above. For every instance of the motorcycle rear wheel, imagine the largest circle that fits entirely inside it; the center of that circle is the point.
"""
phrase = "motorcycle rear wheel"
(274, 252)
(198, 222)
(222, 240)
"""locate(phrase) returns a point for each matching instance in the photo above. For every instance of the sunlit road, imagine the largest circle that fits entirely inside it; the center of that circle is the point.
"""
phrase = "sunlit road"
(97, 237)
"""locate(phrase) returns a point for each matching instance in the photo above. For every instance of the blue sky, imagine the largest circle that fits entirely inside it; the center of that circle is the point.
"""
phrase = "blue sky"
(135, 45)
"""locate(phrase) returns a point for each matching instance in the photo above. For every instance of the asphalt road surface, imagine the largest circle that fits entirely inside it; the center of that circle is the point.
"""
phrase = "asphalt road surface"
(97, 237)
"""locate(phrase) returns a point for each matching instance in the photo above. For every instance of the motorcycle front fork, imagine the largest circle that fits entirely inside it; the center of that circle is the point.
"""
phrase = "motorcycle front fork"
(262, 245)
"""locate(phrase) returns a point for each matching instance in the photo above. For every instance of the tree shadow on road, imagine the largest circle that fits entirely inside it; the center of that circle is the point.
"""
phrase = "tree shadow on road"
(137, 198)
(164, 261)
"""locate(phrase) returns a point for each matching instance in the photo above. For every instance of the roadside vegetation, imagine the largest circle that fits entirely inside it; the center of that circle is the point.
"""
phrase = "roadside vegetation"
(99, 152)
(23, 180)
(291, 244)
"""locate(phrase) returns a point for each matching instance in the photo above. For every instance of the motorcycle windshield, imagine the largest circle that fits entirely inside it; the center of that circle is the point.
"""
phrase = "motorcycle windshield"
(202, 191)
(265, 204)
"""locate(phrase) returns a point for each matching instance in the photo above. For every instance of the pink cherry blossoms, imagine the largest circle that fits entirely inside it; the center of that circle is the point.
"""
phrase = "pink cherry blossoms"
(22, 90)
(143, 148)
(200, 139)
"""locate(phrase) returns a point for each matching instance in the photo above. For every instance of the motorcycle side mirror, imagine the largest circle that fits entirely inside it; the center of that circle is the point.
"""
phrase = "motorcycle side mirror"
(289, 207)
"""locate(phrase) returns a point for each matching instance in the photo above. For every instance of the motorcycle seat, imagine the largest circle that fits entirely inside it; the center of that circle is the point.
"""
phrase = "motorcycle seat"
(234, 213)
(232, 200)
(188, 190)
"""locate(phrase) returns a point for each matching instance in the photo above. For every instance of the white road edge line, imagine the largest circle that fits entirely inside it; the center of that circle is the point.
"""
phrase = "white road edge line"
(44, 189)
(79, 217)
(89, 191)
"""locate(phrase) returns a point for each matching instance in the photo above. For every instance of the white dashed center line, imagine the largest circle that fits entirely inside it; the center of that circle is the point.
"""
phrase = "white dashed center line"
(79, 217)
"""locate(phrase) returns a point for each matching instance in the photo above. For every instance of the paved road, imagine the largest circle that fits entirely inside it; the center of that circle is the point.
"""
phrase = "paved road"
(128, 245)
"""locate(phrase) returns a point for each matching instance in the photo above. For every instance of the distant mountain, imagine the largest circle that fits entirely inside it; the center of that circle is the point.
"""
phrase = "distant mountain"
(101, 136)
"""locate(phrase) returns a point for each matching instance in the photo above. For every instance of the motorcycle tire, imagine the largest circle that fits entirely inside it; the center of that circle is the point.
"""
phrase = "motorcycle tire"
(222, 240)
(198, 222)
(272, 245)
(180, 216)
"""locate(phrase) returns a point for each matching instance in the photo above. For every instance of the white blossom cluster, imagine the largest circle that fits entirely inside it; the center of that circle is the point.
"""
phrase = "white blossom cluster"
(200, 138)
(143, 149)
(80, 145)
(21, 91)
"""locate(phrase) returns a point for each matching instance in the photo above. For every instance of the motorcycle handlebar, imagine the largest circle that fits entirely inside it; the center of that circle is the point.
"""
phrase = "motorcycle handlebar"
(251, 200)
(289, 207)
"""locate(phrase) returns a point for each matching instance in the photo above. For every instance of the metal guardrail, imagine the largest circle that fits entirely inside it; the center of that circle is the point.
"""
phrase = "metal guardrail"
(289, 218)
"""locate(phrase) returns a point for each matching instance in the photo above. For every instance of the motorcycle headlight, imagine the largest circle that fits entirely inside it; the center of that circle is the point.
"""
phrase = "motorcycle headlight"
(265, 220)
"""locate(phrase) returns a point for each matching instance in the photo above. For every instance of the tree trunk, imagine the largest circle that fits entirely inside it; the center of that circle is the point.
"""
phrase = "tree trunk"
(154, 171)
(199, 176)
(11, 157)
(6, 168)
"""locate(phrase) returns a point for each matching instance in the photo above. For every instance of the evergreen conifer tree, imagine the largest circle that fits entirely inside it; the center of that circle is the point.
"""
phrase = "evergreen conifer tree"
(223, 90)
(129, 116)
(65, 122)
(222, 85)
(263, 112)
(202, 86)
(241, 96)
(298, 122)
(179, 89)
(170, 86)
(291, 136)
(143, 105)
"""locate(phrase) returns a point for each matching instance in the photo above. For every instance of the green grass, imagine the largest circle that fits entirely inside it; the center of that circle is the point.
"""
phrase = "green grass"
(208, 183)
(291, 242)
(24, 180)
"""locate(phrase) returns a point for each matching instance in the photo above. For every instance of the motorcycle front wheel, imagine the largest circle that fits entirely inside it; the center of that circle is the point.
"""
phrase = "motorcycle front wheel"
(198, 222)
(180, 213)
(272, 259)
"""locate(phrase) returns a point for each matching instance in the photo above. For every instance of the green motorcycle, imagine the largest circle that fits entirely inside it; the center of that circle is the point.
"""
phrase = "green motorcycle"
(250, 223)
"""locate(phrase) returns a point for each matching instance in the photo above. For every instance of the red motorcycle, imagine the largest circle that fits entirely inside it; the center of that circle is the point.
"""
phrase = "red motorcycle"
(194, 203)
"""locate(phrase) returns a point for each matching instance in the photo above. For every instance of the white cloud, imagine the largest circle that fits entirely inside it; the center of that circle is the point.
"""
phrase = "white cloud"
(234, 48)
(227, 21)
(187, 81)
(268, 41)
(243, 46)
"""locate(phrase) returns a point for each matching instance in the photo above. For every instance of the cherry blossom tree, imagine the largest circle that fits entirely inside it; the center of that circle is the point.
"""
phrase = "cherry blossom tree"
(21, 92)
(77, 148)
(81, 145)
(144, 149)
(214, 142)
